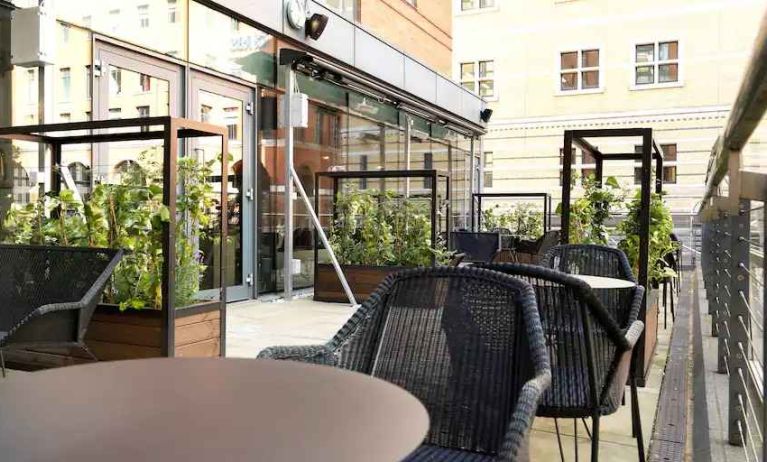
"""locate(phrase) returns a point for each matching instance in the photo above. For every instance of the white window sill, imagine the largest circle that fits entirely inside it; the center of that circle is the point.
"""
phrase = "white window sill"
(588, 91)
(656, 86)
(478, 10)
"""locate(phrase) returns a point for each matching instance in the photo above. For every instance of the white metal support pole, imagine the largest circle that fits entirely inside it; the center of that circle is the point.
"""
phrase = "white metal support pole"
(287, 256)
(292, 178)
(324, 239)
(408, 122)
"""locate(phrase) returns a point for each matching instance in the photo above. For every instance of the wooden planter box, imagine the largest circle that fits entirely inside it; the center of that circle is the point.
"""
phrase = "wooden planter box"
(648, 342)
(132, 334)
(362, 279)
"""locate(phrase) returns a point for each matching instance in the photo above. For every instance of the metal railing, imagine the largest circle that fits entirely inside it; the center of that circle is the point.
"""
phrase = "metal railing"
(732, 255)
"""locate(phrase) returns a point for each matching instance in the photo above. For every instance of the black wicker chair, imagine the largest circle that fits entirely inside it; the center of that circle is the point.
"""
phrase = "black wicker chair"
(591, 354)
(48, 294)
(598, 260)
(478, 247)
(467, 342)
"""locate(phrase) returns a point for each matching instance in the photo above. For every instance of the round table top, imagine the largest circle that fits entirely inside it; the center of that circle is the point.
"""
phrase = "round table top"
(206, 409)
(599, 282)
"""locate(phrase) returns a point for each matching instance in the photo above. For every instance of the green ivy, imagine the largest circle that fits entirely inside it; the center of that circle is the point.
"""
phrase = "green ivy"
(131, 216)
(381, 229)
(589, 213)
(525, 220)
(661, 227)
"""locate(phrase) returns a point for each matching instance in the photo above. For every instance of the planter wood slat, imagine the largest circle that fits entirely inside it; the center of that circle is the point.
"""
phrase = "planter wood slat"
(132, 334)
(362, 279)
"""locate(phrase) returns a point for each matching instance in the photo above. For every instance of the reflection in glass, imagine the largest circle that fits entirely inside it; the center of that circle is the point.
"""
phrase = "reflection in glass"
(223, 111)
(230, 46)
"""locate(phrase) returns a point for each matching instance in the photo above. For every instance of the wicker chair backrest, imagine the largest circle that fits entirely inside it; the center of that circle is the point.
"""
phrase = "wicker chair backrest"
(591, 260)
(583, 340)
(459, 339)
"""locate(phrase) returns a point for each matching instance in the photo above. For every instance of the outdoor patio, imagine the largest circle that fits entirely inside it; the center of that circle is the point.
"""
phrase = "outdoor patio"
(255, 325)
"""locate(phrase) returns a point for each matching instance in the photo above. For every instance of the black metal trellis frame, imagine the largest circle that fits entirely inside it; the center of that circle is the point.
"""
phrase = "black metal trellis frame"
(433, 175)
(650, 152)
(169, 130)
(501, 195)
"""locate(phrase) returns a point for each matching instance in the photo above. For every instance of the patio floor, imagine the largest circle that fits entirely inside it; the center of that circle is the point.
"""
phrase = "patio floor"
(254, 325)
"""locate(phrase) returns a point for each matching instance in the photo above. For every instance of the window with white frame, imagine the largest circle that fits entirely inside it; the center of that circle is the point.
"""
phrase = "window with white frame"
(143, 16)
(656, 63)
(479, 77)
(579, 70)
(172, 11)
(488, 170)
(467, 5)
(66, 83)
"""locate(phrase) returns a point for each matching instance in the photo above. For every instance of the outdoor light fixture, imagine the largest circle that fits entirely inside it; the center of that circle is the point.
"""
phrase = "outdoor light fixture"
(485, 115)
(315, 25)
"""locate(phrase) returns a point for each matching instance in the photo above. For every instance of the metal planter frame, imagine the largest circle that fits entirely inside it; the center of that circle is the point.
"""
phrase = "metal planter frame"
(172, 130)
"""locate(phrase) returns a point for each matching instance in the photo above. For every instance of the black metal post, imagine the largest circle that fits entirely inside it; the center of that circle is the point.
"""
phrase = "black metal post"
(224, 234)
(170, 154)
(566, 185)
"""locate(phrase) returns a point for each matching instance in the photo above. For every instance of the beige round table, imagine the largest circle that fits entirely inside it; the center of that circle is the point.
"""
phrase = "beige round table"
(599, 282)
(206, 409)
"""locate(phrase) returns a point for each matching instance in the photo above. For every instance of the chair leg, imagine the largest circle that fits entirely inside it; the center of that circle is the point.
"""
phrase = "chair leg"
(637, 419)
(665, 312)
(575, 438)
(88, 350)
(559, 441)
(595, 438)
(673, 317)
(586, 426)
(2, 362)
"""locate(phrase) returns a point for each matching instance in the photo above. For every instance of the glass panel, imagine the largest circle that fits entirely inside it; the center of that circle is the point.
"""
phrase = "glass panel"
(241, 51)
(669, 152)
(645, 75)
(668, 73)
(569, 60)
(668, 51)
(224, 111)
(569, 81)
(469, 86)
(590, 58)
(467, 71)
(645, 53)
(127, 99)
(147, 23)
(270, 183)
(467, 4)
(590, 79)
(486, 3)
(486, 69)
(487, 88)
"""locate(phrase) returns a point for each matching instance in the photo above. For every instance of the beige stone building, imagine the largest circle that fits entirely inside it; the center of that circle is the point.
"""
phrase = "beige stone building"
(546, 66)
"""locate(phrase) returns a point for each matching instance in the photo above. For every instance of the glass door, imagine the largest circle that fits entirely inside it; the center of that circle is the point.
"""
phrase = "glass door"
(219, 102)
(129, 85)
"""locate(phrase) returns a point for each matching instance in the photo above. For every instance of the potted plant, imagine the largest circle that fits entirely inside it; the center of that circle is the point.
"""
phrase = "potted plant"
(660, 244)
(373, 235)
(589, 213)
(130, 215)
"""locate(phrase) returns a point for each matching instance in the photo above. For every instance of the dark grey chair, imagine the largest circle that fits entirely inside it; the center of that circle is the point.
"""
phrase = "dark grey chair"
(467, 342)
(591, 354)
(598, 260)
(478, 247)
(48, 294)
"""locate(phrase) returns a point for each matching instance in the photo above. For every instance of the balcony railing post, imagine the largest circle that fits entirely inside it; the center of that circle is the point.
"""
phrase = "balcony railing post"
(739, 321)
(722, 298)
(715, 275)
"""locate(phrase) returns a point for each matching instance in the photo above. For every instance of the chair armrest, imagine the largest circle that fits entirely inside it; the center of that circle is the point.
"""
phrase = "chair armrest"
(633, 333)
(636, 305)
(515, 442)
(314, 354)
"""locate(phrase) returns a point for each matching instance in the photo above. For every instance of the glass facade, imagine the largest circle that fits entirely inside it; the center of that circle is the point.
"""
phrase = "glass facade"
(95, 77)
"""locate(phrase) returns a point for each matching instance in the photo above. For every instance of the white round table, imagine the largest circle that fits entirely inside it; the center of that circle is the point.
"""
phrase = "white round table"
(206, 409)
(599, 282)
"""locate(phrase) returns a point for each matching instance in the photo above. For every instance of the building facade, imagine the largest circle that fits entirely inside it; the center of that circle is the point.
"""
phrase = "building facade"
(371, 107)
(546, 66)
